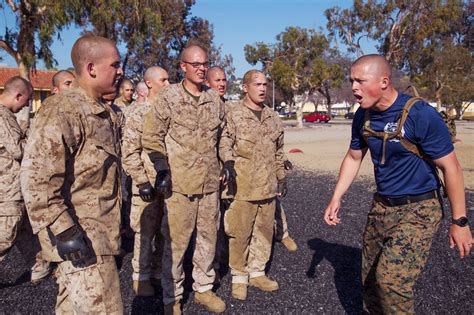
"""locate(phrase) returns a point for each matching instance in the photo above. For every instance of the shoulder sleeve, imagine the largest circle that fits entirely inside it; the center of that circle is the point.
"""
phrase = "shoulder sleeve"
(227, 140)
(10, 137)
(132, 147)
(44, 168)
(357, 140)
(155, 129)
(425, 127)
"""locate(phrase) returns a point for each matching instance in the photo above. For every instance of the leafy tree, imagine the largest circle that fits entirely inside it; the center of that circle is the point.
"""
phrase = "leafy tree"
(300, 64)
(424, 39)
(30, 39)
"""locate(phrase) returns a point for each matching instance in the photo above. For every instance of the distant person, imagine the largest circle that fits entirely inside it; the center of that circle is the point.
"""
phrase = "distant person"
(70, 178)
(62, 80)
(216, 79)
(146, 205)
(125, 94)
(13, 219)
(251, 148)
(142, 92)
(406, 211)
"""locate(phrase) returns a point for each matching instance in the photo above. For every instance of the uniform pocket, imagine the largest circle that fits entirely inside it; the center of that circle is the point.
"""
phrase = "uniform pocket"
(245, 145)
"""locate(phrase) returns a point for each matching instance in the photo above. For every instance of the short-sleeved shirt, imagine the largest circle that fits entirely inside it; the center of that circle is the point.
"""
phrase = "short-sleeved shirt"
(404, 173)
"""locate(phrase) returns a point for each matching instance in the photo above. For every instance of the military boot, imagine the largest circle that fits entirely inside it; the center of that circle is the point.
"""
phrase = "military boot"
(239, 291)
(264, 283)
(210, 300)
(143, 288)
(290, 244)
(173, 308)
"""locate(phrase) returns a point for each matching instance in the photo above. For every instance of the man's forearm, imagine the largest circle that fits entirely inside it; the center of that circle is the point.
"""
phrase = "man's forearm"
(454, 183)
(348, 171)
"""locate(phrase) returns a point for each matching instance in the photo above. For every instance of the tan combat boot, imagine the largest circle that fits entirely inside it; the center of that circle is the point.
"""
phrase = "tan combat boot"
(173, 308)
(264, 283)
(210, 300)
(143, 288)
(239, 291)
(290, 244)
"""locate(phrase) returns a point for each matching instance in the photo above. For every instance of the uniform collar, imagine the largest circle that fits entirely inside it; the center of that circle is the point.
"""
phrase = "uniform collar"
(95, 106)
(248, 113)
(203, 99)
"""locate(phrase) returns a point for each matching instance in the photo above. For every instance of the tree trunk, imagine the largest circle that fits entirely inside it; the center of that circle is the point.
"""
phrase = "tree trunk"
(23, 116)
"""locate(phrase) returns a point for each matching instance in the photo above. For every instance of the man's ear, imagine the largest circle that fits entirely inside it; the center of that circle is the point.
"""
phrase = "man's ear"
(244, 88)
(91, 70)
(55, 90)
(182, 65)
(385, 82)
(18, 96)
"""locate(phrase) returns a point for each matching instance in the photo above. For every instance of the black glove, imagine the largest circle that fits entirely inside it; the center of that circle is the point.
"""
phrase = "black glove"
(228, 172)
(146, 191)
(163, 182)
(282, 190)
(287, 164)
(72, 246)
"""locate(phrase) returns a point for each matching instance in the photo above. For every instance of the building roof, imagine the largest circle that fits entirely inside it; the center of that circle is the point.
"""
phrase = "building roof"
(40, 79)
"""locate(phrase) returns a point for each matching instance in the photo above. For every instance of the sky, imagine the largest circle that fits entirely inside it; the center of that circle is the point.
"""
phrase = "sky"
(236, 23)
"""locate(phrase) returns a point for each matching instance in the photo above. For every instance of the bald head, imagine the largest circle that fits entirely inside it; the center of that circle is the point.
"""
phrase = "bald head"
(89, 49)
(156, 78)
(142, 88)
(16, 94)
(62, 80)
(374, 64)
(217, 80)
(190, 50)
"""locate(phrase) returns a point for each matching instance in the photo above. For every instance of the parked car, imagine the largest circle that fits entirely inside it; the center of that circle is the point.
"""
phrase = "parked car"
(288, 114)
(316, 117)
(349, 116)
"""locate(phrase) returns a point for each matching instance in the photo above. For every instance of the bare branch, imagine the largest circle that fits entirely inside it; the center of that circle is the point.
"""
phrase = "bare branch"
(9, 49)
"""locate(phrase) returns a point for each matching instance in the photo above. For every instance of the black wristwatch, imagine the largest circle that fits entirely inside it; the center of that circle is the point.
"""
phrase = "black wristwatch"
(462, 221)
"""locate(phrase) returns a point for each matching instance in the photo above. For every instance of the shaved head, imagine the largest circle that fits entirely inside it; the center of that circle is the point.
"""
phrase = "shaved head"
(17, 85)
(126, 83)
(217, 80)
(156, 78)
(249, 75)
(190, 50)
(88, 48)
(142, 88)
(215, 69)
(62, 80)
(16, 94)
(374, 64)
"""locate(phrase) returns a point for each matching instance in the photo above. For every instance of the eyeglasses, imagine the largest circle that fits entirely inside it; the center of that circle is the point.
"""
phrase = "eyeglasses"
(196, 65)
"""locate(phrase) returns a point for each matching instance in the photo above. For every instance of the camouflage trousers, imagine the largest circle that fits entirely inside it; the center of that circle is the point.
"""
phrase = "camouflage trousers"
(222, 244)
(249, 225)
(281, 224)
(396, 244)
(15, 229)
(94, 289)
(145, 221)
(185, 217)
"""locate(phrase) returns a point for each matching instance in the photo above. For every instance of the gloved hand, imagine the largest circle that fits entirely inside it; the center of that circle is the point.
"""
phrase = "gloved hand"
(146, 191)
(228, 173)
(282, 190)
(288, 165)
(72, 246)
(163, 182)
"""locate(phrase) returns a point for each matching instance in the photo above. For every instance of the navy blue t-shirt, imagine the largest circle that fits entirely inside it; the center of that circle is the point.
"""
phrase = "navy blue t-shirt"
(404, 173)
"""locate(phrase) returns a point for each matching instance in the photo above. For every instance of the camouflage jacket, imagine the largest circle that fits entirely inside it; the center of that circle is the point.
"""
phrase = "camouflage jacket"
(70, 173)
(257, 149)
(135, 161)
(182, 134)
(11, 152)
(120, 102)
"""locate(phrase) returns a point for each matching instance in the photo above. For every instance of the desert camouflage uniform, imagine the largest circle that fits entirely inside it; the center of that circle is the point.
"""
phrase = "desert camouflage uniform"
(70, 176)
(11, 202)
(145, 217)
(121, 102)
(397, 241)
(256, 146)
(182, 134)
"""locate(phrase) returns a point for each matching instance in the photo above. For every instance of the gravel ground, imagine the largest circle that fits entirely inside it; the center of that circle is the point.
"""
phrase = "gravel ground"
(321, 277)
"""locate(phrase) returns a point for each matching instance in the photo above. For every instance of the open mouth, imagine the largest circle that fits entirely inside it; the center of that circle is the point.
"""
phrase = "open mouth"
(358, 98)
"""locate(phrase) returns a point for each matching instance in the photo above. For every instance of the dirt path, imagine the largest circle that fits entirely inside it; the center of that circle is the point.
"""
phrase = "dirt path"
(325, 145)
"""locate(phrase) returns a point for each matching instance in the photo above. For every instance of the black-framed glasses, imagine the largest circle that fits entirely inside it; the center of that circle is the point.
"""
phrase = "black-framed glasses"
(196, 65)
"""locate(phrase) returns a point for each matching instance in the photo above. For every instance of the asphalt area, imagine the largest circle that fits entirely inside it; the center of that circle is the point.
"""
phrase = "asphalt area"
(322, 277)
